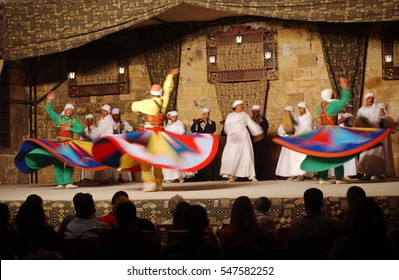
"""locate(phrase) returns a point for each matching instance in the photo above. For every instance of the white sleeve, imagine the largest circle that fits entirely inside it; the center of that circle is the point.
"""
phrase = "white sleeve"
(281, 132)
(95, 133)
(128, 127)
(254, 128)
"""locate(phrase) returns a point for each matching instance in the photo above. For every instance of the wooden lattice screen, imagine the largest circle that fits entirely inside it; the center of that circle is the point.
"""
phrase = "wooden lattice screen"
(253, 59)
(390, 52)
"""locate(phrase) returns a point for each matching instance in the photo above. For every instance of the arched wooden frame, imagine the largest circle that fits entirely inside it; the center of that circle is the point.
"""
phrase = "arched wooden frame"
(264, 59)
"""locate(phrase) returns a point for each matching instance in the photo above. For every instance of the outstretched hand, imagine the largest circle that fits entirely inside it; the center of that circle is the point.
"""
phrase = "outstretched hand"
(343, 82)
(50, 96)
(174, 71)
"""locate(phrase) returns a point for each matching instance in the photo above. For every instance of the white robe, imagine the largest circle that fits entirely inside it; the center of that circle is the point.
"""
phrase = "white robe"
(125, 175)
(93, 135)
(173, 174)
(238, 155)
(371, 161)
(106, 127)
(127, 127)
(289, 162)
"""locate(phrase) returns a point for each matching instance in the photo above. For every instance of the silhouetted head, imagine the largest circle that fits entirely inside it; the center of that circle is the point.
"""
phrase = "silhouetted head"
(262, 204)
(196, 218)
(34, 198)
(313, 199)
(368, 220)
(126, 214)
(84, 205)
(117, 195)
(355, 194)
(30, 215)
(173, 201)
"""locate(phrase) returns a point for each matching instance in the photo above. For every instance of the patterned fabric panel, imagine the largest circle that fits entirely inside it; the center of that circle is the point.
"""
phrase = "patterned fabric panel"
(43, 27)
(283, 210)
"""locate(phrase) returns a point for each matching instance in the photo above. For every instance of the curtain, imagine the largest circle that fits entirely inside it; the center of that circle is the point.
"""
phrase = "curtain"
(344, 47)
(43, 27)
(162, 48)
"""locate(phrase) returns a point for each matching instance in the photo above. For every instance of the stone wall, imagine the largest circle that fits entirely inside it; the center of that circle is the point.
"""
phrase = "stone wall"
(302, 74)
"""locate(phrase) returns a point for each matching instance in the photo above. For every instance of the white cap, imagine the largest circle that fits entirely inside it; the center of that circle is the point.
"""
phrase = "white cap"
(237, 102)
(382, 106)
(205, 110)
(89, 116)
(326, 94)
(256, 107)
(67, 106)
(302, 104)
(115, 111)
(156, 90)
(106, 107)
(173, 114)
(367, 95)
(289, 108)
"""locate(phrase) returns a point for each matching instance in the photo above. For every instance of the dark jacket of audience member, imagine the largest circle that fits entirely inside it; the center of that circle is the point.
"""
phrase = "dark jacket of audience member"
(243, 226)
(367, 238)
(194, 245)
(7, 234)
(312, 236)
(127, 240)
(33, 232)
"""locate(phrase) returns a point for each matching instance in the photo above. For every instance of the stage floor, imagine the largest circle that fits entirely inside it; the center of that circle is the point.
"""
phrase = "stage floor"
(201, 190)
(217, 197)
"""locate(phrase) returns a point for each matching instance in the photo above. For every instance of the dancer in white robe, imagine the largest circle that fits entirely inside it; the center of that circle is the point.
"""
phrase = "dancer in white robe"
(238, 155)
(121, 127)
(304, 123)
(90, 133)
(372, 161)
(283, 164)
(175, 126)
(106, 127)
(388, 122)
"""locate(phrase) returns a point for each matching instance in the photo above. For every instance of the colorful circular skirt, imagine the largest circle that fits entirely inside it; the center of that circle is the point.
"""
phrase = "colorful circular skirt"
(34, 154)
(331, 146)
(156, 147)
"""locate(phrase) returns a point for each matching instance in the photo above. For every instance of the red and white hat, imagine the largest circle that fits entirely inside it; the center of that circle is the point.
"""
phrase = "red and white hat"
(156, 90)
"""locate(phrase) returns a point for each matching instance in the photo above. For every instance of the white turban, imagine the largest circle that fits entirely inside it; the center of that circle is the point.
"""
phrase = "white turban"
(106, 107)
(326, 94)
(237, 102)
(367, 95)
(115, 111)
(255, 108)
(67, 106)
(89, 116)
(302, 105)
(173, 114)
(156, 90)
(382, 106)
(205, 110)
(289, 108)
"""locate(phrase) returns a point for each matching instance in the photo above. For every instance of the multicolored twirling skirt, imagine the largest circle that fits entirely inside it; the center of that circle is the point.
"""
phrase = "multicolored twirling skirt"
(34, 154)
(331, 146)
(159, 148)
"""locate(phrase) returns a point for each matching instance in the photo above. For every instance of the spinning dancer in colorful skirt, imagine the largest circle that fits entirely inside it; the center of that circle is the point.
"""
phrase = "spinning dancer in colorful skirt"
(65, 153)
(330, 146)
(154, 147)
